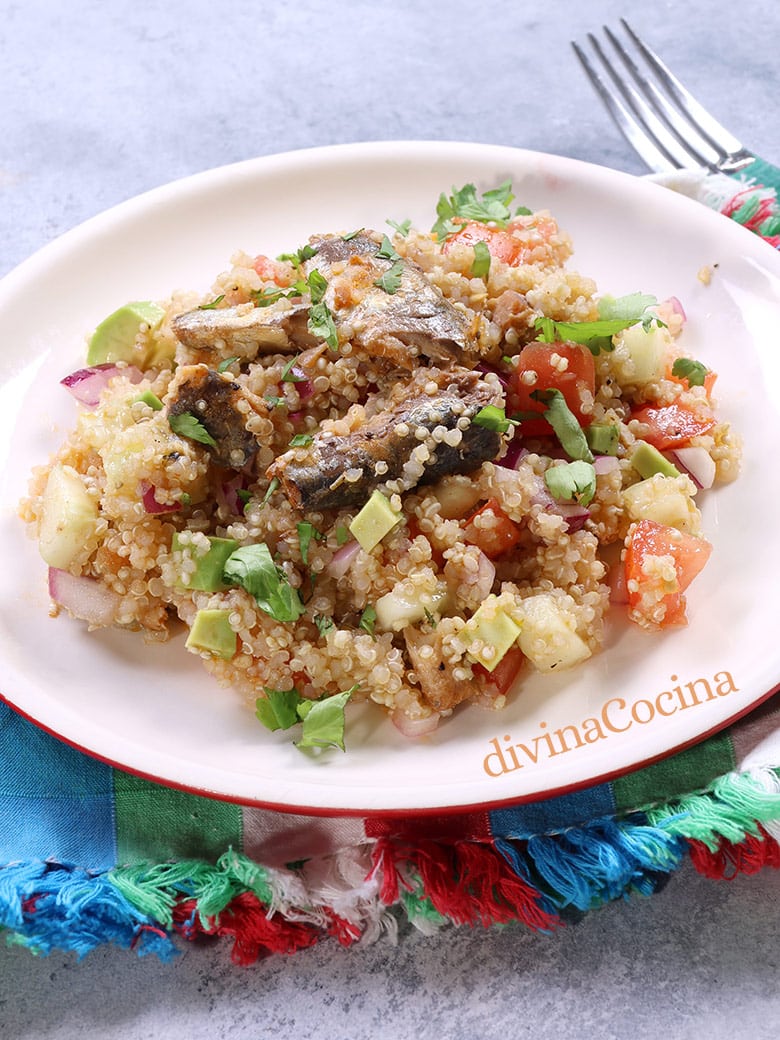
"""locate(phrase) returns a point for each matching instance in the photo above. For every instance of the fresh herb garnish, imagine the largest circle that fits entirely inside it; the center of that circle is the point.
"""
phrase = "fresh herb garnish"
(243, 495)
(429, 617)
(252, 567)
(225, 364)
(322, 721)
(151, 400)
(301, 440)
(615, 315)
(185, 498)
(272, 486)
(564, 423)
(403, 228)
(493, 207)
(213, 305)
(307, 532)
(386, 250)
(390, 281)
(572, 482)
(296, 259)
(274, 401)
(493, 418)
(481, 266)
(351, 234)
(368, 620)
(694, 371)
(187, 425)
(342, 535)
(288, 372)
(321, 323)
(277, 710)
(324, 624)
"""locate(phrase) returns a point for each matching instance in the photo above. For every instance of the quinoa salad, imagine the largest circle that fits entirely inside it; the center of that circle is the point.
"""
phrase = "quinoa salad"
(406, 466)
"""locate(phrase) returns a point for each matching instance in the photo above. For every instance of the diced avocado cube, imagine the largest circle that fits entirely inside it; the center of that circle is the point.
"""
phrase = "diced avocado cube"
(491, 633)
(114, 338)
(154, 402)
(211, 631)
(648, 461)
(603, 438)
(207, 576)
(376, 519)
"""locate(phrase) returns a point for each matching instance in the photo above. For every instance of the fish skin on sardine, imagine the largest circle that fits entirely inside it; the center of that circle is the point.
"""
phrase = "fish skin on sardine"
(222, 407)
(400, 326)
(337, 471)
(209, 335)
(414, 321)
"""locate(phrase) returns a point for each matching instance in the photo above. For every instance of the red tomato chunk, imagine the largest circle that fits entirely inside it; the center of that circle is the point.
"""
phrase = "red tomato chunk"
(650, 539)
(672, 425)
(568, 367)
(492, 531)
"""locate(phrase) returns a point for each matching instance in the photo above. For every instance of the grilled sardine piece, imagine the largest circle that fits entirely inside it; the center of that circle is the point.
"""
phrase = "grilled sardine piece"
(411, 320)
(207, 336)
(422, 436)
(440, 689)
(222, 407)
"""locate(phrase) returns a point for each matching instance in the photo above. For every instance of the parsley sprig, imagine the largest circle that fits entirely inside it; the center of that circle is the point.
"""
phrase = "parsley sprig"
(463, 204)
(323, 721)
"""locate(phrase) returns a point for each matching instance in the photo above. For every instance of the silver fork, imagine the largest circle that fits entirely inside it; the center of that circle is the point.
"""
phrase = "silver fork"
(661, 120)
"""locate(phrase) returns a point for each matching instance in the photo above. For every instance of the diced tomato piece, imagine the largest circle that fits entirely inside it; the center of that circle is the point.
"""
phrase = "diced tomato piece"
(495, 534)
(690, 554)
(505, 672)
(537, 370)
(501, 244)
(273, 271)
(672, 425)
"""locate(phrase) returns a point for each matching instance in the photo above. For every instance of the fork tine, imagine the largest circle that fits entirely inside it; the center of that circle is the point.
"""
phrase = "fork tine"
(645, 119)
(718, 136)
(695, 143)
(629, 125)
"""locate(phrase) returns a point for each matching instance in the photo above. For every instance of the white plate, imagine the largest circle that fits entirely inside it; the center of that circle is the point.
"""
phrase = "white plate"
(153, 710)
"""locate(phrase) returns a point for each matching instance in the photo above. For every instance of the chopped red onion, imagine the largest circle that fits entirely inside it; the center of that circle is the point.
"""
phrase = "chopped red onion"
(605, 464)
(84, 598)
(697, 463)
(149, 499)
(87, 384)
(484, 367)
(484, 577)
(227, 498)
(515, 454)
(343, 558)
(574, 514)
(414, 727)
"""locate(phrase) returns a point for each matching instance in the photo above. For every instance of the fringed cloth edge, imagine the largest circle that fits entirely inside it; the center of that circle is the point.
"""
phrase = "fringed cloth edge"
(362, 893)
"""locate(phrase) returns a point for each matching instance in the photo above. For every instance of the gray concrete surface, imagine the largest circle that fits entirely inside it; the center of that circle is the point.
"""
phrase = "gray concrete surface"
(101, 101)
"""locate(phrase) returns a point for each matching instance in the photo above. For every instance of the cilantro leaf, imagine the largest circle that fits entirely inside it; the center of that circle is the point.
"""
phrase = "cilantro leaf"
(274, 401)
(481, 266)
(252, 567)
(572, 482)
(307, 532)
(493, 207)
(324, 624)
(322, 325)
(273, 484)
(278, 709)
(288, 372)
(351, 234)
(317, 284)
(342, 535)
(187, 425)
(626, 308)
(390, 281)
(324, 721)
(564, 423)
(386, 250)
(615, 315)
(694, 371)
(213, 305)
(301, 440)
(493, 418)
(403, 228)
(368, 620)
(296, 259)
(225, 364)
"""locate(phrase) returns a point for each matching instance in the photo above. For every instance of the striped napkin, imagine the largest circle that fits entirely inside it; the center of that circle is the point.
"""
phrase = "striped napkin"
(91, 855)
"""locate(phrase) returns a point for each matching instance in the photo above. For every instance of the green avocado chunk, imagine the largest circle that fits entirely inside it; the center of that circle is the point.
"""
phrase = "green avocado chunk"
(211, 631)
(114, 338)
(648, 461)
(207, 576)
